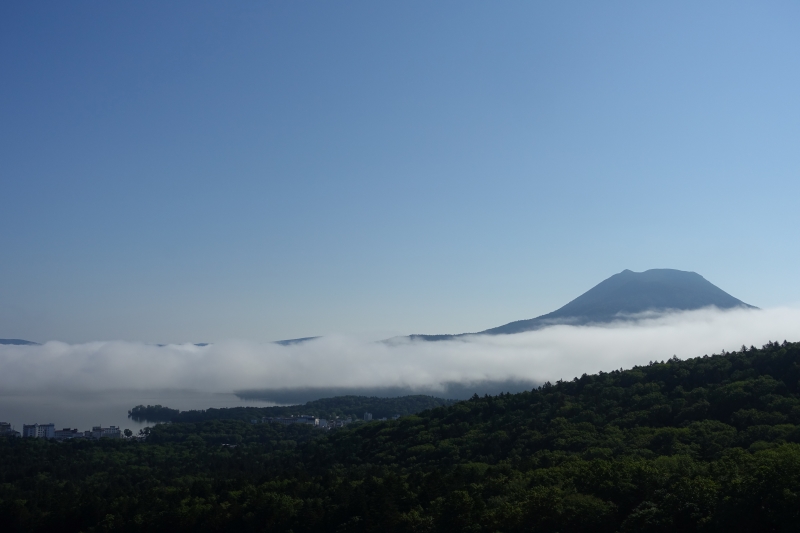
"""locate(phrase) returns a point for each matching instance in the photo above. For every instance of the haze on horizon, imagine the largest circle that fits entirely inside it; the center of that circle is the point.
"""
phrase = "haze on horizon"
(196, 172)
(337, 365)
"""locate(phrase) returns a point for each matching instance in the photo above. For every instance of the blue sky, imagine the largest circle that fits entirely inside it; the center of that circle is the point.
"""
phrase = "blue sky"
(202, 171)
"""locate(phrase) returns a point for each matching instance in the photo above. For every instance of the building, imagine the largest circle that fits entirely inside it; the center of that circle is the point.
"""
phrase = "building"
(302, 419)
(7, 431)
(367, 417)
(322, 423)
(67, 434)
(39, 431)
(338, 423)
(111, 432)
(305, 419)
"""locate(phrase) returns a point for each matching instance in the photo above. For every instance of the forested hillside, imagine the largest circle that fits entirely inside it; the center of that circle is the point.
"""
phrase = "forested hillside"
(329, 408)
(706, 444)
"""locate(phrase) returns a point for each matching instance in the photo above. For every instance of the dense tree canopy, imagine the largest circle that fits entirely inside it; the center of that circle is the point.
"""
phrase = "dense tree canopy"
(152, 413)
(706, 444)
(329, 408)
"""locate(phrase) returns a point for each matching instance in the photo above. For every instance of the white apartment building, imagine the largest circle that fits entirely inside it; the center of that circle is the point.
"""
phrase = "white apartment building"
(39, 431)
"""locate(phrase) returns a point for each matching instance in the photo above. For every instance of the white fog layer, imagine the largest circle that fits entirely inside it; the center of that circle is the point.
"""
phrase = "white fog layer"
(558, 352)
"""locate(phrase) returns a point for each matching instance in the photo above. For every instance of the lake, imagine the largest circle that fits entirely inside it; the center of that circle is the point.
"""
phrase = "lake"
(87, 409)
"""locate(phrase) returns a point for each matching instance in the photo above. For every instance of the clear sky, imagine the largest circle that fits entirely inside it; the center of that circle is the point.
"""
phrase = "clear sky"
(191, 171)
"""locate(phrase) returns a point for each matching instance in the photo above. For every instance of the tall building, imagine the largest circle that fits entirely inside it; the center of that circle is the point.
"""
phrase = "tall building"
(367, 417)
(46, 431)
(39, 431)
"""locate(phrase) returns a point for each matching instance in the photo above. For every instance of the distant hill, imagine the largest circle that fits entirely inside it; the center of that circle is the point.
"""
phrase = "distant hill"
(289, 342)
(18, 342)
(624, 294)
(450, 389)
(340, 406)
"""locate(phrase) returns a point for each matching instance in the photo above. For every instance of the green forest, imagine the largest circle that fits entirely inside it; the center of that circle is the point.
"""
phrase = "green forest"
(705, 444)
(328, 408)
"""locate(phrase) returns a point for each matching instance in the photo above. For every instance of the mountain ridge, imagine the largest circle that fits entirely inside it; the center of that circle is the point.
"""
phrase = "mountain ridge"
(620, 296)
(18, 342)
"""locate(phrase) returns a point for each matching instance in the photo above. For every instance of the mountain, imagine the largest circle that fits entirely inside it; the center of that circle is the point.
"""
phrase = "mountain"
(18, 342)
(624, 294)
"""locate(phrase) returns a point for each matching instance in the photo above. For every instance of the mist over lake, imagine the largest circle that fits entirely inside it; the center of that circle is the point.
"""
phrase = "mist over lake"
(81, 385)
(82, 410)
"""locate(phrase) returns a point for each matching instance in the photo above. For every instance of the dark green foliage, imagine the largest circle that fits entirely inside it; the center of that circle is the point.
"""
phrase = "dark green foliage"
(152, 413)
(340, 406)
(707, 444)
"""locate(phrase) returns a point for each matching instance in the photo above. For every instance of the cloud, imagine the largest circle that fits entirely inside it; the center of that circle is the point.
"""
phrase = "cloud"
(344, 363)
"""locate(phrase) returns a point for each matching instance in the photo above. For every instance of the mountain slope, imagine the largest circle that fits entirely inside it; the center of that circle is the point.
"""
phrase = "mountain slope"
(624, 294)
(629, 293)
(18, 342)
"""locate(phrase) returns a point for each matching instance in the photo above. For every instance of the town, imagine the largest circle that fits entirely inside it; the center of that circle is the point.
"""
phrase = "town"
(321, 423)
(49, 431)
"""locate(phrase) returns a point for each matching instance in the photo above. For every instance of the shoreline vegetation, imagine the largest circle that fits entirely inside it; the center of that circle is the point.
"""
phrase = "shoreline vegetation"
(704, 444)
(329, 408)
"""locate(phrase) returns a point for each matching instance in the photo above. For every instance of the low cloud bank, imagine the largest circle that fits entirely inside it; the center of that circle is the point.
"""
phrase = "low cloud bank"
(340, 363)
